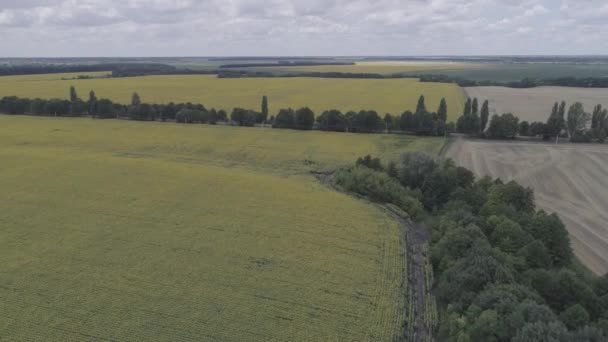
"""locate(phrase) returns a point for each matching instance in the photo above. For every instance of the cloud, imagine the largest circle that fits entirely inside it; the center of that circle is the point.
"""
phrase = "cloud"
(536, 10)
(303, 27)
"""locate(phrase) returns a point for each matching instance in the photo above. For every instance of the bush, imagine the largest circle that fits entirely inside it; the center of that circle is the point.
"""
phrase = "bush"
(378, 187)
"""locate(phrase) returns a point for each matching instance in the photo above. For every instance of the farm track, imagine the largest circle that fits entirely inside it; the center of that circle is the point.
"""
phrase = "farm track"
(416, 238)
(570, 180)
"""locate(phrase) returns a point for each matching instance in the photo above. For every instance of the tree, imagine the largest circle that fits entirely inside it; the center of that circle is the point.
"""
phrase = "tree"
(503, 127)
(468, 107)
(507, 235)
(599, 121)
(105, 109)
(244, 117)
(92, 104)
(420, 107)
(556, 122)
(536, 255)
(562, 110)
(524, 129)
(332, 120)
(285, 119)
(73, 95)
(577, 120)
(264, 111)
(546, 332)
(475, 107)
(135, 108)
(468, 124)
(414, 167)
(304, 119)
(408, 121)
(550, 230)
(575, 317)
(485, 115)
(442, 111)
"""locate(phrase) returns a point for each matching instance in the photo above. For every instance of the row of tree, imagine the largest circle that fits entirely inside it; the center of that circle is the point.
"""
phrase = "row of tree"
(420, 122)
(575, 124)
(504, 271)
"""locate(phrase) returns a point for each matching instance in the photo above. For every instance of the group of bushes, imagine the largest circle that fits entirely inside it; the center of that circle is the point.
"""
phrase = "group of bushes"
(504, 270)
(573, 125)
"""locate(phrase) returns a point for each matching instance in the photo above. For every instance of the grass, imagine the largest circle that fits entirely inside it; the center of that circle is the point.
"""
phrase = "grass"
(383, 95)
(121, 230)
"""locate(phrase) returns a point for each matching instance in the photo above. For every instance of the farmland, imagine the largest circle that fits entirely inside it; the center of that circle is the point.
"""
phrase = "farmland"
(510, 72)
(567, 179)
(382, 95)
(379, 67)
(121, 230)
(534, 104)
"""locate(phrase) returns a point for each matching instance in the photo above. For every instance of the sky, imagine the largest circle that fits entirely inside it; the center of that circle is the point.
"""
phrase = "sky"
(91, 28)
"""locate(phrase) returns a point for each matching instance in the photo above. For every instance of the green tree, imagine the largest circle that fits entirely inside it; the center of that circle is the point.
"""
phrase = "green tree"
(475, 107)
(73, 95)
(524, 129)
(420, 107)
(599, 121)
(304, 118)
(264, 111)
(577, 120)
(505, 126)
(484, 116)
(468, 124)
(408, 121)
(468, 107)
(285, 119)
(551, 231)
(536, 255)
(332, 120)
(442, 111)
(556, 122)
(545, 332)
(575, 317)
(92, 104)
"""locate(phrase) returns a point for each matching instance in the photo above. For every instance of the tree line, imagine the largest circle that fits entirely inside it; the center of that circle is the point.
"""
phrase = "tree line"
(504, 270)
(421, 122)
(573, 123)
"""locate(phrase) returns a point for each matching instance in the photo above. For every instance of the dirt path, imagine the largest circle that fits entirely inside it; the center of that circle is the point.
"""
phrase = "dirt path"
(416, 238)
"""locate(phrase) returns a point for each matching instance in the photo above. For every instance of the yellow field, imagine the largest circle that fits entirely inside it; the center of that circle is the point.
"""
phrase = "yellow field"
(382, 67)
(383, 95)
(121, 230)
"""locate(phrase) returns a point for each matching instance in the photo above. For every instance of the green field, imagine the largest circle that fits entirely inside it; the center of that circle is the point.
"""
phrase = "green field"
(382, 95)
(381, 67)
(121, 230)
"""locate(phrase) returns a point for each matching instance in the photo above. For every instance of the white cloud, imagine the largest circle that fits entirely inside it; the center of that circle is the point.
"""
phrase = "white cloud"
(307, 27)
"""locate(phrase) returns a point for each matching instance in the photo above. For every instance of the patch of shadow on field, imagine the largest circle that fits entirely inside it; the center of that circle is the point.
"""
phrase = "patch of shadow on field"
(568, 179)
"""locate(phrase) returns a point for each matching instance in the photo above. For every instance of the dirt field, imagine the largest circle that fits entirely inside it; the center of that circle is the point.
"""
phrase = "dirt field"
(568, 180)
(535, 104)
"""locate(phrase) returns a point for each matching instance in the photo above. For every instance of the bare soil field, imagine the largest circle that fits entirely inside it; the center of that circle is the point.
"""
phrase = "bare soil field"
(570, 180)
(534, 104)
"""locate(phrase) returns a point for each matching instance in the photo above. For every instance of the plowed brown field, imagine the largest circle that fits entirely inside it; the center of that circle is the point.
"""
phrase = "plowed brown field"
(570, 180)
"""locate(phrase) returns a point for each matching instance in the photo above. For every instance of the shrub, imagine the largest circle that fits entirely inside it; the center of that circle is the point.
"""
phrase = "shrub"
(378, 187)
